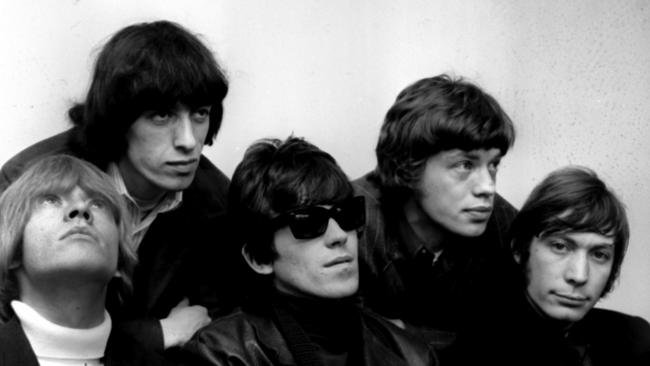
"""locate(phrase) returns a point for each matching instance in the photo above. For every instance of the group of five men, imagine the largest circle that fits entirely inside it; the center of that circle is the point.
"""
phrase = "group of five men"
(121, 244)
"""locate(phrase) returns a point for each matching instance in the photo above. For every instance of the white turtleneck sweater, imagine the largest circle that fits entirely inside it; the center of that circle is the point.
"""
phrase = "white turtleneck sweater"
(55, 345)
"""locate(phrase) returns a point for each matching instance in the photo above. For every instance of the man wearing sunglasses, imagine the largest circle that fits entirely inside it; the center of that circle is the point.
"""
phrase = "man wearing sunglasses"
(435, 241)
(299, 221)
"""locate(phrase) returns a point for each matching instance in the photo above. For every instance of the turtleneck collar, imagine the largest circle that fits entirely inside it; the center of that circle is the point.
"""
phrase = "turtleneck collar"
(332, 325)
(55, 345)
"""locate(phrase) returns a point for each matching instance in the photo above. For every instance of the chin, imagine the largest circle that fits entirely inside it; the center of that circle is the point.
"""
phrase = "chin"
(566, 315)
(341, 291)
(471, 230)
(177, 184)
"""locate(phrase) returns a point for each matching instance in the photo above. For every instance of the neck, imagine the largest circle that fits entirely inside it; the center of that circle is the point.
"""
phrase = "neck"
(427, 230)
(145, 193)
(67, 304)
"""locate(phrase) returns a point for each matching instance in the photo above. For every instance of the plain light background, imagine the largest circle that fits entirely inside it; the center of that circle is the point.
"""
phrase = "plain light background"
(574, 76)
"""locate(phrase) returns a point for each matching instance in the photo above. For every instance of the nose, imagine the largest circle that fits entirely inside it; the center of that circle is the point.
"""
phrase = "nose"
(577, 271)
(485, 184)
(79, 210)
(335, 236)
(184, 138)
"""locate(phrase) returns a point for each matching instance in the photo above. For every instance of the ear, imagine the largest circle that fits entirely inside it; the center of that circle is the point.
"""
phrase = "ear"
(260, 268)
(516, 254)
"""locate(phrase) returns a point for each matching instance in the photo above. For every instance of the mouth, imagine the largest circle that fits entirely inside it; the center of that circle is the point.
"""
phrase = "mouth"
(183, 166)
(571, 300)
(480, 213)
(339, 260)
(78, 231)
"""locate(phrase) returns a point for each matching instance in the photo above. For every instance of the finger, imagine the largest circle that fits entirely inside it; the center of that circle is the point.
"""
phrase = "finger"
(183, 303)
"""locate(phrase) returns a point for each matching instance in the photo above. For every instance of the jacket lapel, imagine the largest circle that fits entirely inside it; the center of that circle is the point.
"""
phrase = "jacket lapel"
(161, 255)
(15, 348)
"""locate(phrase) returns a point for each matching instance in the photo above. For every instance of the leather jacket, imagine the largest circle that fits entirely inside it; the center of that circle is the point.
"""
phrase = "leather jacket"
(251, 337)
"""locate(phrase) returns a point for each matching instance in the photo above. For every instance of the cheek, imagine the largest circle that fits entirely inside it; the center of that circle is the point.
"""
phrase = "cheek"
(143, 143)
(39, 229)
(539, 273)
(109, 231)
(601, 275)
(201, 132)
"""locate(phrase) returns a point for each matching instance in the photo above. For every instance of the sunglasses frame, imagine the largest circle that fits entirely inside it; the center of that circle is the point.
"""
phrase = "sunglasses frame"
(335, 212)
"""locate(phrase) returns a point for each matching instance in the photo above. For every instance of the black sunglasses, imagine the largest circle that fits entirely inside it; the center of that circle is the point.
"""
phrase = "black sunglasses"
(311, 222)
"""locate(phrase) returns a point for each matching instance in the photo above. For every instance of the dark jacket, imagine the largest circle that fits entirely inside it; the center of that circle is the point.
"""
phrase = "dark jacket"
(121, 350)
(183, 253)
(251, 337)
(520, 335)
(439, 298)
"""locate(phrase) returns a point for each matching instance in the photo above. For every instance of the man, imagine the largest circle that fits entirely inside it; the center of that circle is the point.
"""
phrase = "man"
(299, 220)
(154, 101)
(64, 237)
(569, 240)
(435, 237)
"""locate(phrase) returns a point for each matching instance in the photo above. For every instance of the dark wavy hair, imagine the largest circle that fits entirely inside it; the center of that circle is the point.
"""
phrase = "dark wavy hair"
(572, 199)
(145, 66)
(433, 115)
(276, 176)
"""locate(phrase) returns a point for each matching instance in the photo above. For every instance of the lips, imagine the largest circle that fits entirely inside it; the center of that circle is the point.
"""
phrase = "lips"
(79, 231)
(479, 212)
(183, 166)
(571, 300)
(339, 260)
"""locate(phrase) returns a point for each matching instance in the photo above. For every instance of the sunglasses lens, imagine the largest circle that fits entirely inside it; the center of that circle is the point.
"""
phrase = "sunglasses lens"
(351, 214)
(308, 223)
(311, 222)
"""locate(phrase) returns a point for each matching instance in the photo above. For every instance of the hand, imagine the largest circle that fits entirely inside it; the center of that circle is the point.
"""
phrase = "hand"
(182, 322)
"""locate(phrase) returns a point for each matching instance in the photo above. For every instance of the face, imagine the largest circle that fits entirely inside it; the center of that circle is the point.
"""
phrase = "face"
(568, 272)
(322, 267)
(456, 190)
(70, 233)
(163, 150)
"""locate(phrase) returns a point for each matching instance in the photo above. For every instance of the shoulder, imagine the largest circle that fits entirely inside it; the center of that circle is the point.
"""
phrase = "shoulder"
(630, 329)
(408, 345)
(247, 336)
(209, 189)
(11, 170)
(616, 338)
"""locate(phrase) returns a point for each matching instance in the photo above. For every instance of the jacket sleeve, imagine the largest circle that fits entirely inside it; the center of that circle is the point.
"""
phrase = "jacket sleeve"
(147, 331)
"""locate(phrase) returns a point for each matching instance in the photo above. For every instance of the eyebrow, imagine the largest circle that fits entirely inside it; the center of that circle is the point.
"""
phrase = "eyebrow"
(597, 245)
(461, 154)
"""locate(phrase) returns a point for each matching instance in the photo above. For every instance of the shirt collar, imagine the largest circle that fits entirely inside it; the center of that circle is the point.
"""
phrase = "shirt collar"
(170, 200)
(412, 241)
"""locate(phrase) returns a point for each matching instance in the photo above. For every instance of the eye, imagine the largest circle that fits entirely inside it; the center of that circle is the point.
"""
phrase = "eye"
(464, 165)
(601, 256)
(50, 199)
(159, 117)
(558, 246)
(99, 203)
(201, 114)
(493, 167)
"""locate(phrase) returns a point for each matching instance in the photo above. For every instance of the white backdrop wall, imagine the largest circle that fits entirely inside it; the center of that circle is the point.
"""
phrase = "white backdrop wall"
(572, 75)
